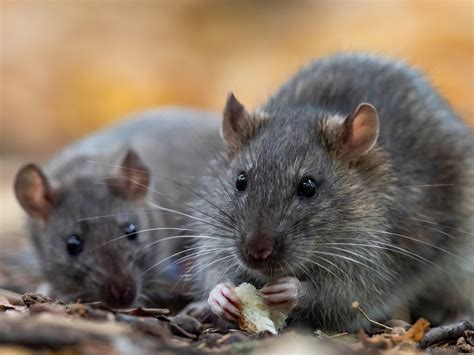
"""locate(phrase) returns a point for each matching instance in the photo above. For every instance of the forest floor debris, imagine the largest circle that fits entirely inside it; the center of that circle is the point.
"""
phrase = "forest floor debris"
(44, 325)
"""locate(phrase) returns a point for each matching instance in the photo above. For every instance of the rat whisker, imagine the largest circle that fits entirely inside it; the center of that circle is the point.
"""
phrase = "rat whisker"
(218, 209)
(375, 263)
(318, 254)
(147, 250)
(393, 248)
(232, 263)
(427, 185)
(223, 238)
(304, 269)
(142, 231)
(307, 272)
(163, 239)
(288, 267)
(184, 258)
(202, 269)
(370, 231)
(441, 225)
(190, 206)
(320, 226)
(117, 166)
(197, 194)
(319, 265)
(412, 239)
(349, 259)
(150, 245)
(170, 257)
(147, 188)
(114, 215)
(189, 216)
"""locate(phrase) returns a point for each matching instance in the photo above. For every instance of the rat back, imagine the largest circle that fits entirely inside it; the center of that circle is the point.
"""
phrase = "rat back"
(175, 142)
(429, 152)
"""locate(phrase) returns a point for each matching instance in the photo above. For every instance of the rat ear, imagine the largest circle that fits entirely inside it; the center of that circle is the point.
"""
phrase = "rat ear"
(238, 125)
(360, 130)
(33, 192)
(133, 177)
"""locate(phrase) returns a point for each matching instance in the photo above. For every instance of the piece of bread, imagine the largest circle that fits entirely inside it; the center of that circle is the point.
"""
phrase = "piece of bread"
(256, 316)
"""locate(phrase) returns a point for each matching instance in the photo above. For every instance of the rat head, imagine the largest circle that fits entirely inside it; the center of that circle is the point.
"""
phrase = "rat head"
(301, 186)
(88, 230)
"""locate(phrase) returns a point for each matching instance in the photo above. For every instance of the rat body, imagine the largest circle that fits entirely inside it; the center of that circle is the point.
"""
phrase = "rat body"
(354, 182)
(99, 208)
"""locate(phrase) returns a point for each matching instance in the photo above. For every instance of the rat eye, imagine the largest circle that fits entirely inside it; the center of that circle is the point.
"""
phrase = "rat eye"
(74, 245)
(130, 231)
(307, 187)
(241, 182)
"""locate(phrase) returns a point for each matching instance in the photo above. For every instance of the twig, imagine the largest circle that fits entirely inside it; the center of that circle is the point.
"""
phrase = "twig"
(355, 305)
(445, 333)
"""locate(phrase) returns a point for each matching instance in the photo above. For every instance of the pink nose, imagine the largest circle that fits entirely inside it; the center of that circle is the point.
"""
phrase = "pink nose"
(261, 254)
(259, 246)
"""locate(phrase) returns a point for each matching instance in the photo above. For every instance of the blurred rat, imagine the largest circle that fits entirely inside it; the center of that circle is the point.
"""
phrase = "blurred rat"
(354, 182)
(99, 208)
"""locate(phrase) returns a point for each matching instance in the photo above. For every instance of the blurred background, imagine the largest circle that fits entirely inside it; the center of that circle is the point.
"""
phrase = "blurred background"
(69, 67)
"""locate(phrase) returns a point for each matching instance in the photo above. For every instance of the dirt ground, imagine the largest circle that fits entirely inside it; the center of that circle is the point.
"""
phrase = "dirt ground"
(33, 323)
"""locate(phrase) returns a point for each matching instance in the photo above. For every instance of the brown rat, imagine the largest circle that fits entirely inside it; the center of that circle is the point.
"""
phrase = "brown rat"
(93, 210)
(354, 182)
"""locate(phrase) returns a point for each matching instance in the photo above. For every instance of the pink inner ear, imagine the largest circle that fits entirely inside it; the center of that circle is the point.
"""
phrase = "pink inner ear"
(236, 124)
(365, 129)
(32, 191)
(37, 193)
(133, 179)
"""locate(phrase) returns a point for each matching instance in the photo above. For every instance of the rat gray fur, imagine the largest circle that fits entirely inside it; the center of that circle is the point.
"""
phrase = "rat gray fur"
(89, 194)
(387, 228)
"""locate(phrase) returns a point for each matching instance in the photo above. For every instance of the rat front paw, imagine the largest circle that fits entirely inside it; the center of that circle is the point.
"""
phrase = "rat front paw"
(283, 291)
(224, 302)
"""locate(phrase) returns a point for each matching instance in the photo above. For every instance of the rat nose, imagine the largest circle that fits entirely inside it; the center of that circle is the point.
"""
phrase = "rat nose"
(259, 246)
(119, 292)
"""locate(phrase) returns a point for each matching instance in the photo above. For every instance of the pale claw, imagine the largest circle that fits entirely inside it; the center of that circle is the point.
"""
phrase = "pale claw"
(282, 291)
(224, 302)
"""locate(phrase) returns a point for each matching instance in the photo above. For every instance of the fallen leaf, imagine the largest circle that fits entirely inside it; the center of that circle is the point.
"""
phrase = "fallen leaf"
(416, 332)
(30, 299)
(5, 304)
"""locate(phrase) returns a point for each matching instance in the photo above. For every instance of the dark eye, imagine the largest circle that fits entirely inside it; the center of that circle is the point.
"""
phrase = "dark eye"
(241, 182)
(307, 187)
(74, 245)
(130, 231)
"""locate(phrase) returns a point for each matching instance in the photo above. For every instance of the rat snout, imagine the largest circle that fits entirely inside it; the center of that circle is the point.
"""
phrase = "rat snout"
(119, 292)
(259, 246)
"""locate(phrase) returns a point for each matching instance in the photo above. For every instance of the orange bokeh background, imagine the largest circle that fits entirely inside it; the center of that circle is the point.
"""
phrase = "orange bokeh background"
(71, 66)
